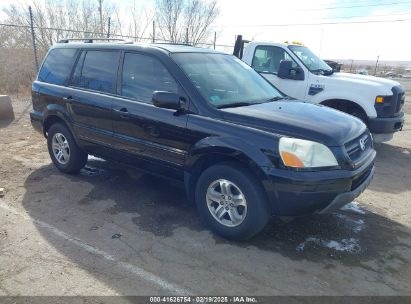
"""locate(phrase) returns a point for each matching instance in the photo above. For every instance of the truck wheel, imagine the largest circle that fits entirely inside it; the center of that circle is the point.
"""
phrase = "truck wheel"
(359, 114)
(63, 150)
(231, 201)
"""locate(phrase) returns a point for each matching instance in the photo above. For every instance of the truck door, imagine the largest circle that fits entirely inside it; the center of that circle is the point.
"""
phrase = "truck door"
(266, 60)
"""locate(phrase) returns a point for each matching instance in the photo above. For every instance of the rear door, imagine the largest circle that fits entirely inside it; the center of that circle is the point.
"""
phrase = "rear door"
(91, 88)
(141, 129)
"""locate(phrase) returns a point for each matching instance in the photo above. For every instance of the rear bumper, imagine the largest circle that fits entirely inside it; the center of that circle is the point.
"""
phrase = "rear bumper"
(293, 193)
(386, 125)
(36, 119)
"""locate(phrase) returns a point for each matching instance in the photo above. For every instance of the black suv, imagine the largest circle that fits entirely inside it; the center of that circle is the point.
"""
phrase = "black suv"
(243, 149)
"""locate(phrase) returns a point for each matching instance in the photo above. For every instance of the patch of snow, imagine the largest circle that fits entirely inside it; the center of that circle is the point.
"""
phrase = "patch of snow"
(353, 206)
(92, 157)
(345, 245)
(348, 245)
(356, 225)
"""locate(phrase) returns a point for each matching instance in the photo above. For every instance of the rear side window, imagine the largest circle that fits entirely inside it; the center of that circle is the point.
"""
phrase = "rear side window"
(142, 75)
(96, 70)
(57, 66)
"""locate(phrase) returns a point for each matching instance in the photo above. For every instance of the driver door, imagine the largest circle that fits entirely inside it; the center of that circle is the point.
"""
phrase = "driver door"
(266, 61)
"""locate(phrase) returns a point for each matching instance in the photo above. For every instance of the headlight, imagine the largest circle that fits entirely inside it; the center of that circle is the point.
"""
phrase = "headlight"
(299, 153)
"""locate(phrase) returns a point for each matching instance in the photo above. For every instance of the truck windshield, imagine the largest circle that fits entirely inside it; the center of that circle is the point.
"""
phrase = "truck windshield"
(310, 60)
(225, 81)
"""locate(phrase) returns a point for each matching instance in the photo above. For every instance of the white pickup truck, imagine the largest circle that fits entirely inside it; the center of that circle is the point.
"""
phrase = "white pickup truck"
(299, 73)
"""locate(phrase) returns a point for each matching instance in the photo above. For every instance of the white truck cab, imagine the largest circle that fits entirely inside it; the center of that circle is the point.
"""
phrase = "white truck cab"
(299, 73)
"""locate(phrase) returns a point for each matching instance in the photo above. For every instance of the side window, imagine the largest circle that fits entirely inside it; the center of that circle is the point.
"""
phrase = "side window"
(142, 75)
(57, 66)
(267, 59)
(96, 70)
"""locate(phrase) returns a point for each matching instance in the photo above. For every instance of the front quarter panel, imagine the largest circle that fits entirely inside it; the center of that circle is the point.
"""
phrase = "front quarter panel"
(361, 92)
(255, 147)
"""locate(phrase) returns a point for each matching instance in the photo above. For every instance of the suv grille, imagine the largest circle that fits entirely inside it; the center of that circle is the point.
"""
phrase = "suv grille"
(359, 146)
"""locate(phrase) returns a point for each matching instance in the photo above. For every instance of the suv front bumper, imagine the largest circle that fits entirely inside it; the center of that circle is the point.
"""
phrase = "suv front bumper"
(347, 197)
(386, 125)
(294, 193)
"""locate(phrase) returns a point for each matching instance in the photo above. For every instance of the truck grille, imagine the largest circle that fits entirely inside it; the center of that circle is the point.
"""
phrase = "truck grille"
(359, 146)
(392, 105)
(400, 102)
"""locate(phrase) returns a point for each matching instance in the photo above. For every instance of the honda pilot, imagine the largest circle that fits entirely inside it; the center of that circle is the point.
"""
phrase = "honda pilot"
(244, 150)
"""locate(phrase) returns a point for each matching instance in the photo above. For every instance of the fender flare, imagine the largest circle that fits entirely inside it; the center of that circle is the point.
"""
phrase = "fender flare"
(232, 148)
(58, 111)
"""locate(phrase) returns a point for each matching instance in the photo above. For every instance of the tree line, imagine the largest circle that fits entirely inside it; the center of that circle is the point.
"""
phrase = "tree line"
(175, 21)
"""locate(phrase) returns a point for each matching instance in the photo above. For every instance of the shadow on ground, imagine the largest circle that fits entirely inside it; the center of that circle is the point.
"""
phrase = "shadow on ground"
(159, 207)
(392, 173)
(4, 123)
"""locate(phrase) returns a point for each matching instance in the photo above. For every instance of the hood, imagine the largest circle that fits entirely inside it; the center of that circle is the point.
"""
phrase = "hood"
(300, 120)
(381, 86)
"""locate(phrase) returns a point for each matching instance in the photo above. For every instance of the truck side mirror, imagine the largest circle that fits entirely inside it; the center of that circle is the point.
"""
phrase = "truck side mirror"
(286, 71)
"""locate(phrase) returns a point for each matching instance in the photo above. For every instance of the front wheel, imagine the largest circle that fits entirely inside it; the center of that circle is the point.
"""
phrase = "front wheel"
(63, 150)
(231, 201)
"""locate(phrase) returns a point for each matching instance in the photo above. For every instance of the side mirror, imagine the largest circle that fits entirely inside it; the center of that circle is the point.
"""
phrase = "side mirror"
(166, 100)
(286, 71)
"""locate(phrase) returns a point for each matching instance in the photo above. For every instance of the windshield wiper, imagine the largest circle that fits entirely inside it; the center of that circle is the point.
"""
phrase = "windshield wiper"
(323, 72)
(234, 105)
(276, 98)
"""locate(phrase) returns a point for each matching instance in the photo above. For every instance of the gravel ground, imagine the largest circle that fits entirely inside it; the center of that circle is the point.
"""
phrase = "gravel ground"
(115, 231)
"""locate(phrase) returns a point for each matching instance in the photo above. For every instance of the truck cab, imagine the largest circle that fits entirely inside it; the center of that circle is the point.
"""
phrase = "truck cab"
(296, 71)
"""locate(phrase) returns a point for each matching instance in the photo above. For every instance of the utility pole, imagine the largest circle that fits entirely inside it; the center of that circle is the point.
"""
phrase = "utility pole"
(376, 65)
(352, 60)
(215, 38)
(33, 37)
(100, 10)
(321, 41)
(154, 31)
(109, 26)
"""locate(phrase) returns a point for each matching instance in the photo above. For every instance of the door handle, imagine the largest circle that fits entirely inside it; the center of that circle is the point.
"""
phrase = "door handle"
(123, 112)
(69, 99)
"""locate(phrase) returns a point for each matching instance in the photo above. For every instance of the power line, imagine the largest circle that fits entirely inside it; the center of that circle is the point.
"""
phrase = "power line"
(354, 6)
(330, 19)
(321, 23)
(364, 16)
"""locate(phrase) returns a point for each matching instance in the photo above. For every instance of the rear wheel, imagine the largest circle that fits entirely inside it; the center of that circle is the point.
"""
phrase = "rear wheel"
(63, 150)
(231, 201)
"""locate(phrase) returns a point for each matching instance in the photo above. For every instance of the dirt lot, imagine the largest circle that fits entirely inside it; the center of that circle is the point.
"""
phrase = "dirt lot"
(113, 231)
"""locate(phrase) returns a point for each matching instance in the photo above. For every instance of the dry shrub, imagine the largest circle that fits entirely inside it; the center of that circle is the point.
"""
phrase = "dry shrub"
(17, 70)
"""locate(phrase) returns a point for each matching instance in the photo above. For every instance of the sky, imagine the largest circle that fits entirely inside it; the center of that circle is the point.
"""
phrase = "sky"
(299, 20)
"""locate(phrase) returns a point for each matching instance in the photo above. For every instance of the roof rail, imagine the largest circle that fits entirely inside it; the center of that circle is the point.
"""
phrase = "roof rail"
(172, 43)
(92, 40)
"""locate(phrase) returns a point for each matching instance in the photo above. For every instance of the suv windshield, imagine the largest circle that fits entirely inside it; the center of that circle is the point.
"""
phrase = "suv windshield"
(310, 60)
(225, 81)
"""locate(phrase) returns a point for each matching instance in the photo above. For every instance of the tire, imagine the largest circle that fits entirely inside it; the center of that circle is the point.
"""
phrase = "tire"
(72, 158)
(249, 220)
(359, 114)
